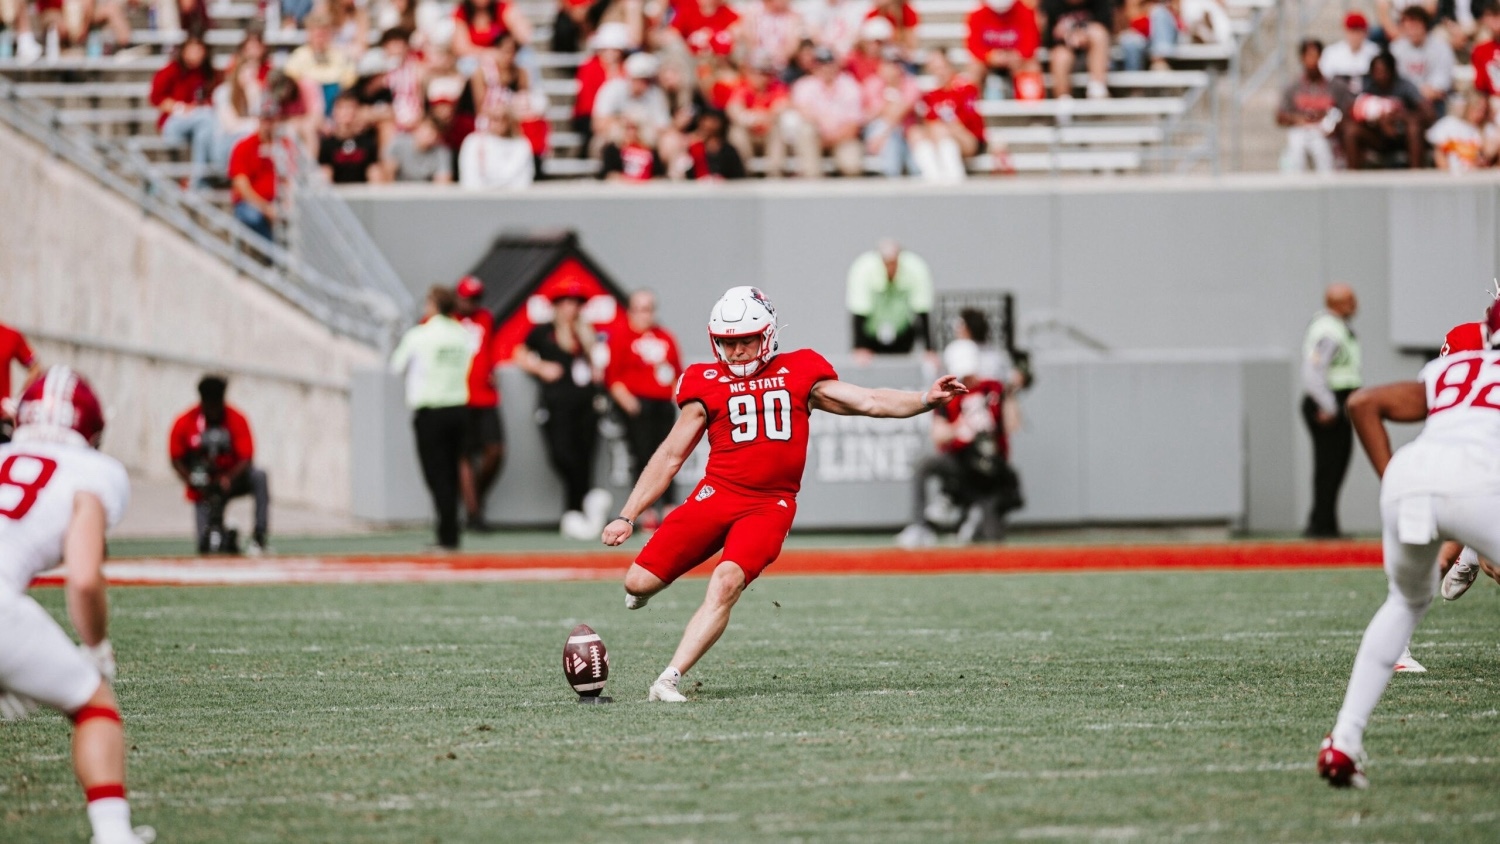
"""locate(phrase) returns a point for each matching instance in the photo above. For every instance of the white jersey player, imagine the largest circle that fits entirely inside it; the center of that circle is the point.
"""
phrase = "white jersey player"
(1443, 485)
(58, 496)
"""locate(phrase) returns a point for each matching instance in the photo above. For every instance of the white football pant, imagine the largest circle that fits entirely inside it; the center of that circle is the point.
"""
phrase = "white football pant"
(38, 660)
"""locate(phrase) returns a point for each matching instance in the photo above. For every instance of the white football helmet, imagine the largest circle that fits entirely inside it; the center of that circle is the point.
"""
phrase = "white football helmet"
(743, 312)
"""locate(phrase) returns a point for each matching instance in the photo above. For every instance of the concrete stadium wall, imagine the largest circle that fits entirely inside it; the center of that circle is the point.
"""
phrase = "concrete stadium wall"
(1107, 441)
(144, 313)
(1223, 266)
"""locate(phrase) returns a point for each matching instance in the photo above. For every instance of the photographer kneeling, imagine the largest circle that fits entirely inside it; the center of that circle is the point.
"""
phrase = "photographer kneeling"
(968, 485)
(211, 451)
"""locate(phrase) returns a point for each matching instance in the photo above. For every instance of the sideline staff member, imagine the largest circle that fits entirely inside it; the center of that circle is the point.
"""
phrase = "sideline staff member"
(644, 365)
(889, 294)
(1330, 372)
(434, 355)
(13, 348)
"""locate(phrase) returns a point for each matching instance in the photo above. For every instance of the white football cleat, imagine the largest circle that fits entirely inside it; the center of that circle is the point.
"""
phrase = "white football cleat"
(575, 525)
(139, 835)
(596, 508)
(916, 536)
(1341, 768)
(665, 691)
(635, 602)
(1458, 579)
(1408, 663)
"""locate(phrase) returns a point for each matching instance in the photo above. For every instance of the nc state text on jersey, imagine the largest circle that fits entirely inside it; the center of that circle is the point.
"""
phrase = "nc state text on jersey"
(757, 384)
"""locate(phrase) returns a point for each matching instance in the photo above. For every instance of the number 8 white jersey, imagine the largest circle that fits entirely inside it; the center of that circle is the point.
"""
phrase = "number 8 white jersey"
(38, 483)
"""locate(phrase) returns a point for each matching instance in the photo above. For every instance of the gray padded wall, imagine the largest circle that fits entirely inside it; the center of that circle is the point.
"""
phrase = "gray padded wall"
(1233, 265)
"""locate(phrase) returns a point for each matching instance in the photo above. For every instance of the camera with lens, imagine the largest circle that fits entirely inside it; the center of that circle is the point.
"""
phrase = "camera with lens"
(204, 478)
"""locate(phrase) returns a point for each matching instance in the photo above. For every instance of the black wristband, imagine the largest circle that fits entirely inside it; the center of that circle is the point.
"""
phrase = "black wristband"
(625, 520)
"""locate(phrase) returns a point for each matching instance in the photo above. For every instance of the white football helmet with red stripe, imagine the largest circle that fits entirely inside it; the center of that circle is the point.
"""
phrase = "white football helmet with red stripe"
(743, 312)
(60, 407)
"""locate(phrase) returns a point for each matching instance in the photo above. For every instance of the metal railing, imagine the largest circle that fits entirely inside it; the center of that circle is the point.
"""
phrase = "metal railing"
(363, 299)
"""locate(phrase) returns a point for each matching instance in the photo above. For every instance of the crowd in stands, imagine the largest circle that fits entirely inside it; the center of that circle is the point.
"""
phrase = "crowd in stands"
(1388, 95)
(675, 89)
(430, 90)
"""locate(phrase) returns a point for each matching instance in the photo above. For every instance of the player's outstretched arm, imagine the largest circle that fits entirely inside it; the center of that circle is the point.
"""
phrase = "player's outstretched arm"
(83, 558)
(847, 399)
(1371, 407)
(660, 470)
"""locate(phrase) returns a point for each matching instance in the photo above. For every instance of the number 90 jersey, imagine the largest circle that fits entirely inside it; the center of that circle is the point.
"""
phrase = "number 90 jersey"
(757, 426)
(38, 482)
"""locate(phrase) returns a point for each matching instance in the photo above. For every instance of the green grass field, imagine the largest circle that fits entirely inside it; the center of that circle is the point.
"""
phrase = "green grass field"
(1133, 706)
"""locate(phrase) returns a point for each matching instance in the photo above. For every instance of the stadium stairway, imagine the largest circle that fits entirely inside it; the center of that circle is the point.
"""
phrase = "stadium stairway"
(1158, 121)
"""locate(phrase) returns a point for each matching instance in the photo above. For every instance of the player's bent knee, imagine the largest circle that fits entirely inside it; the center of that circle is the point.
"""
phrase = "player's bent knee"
(728, 581)
(639, 581)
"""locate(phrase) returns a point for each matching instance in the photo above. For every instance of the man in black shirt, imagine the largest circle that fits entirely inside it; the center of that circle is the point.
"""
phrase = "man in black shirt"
(1078, 26)
(351, 152)
(1389, 115)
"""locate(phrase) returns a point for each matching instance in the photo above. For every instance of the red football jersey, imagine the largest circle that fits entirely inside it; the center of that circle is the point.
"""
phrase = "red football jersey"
(13, 347)
(647, 364)
(757, 426)
(978, 413)
(481, 328)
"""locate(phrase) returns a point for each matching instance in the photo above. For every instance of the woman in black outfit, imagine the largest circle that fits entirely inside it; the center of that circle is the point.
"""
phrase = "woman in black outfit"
(558, 355)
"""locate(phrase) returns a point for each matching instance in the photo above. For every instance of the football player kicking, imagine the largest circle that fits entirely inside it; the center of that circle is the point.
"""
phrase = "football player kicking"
(1445, 484)
(754, 403)
(58, 496)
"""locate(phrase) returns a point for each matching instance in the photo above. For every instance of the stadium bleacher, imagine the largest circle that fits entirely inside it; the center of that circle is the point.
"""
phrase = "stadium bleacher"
(1157, 120)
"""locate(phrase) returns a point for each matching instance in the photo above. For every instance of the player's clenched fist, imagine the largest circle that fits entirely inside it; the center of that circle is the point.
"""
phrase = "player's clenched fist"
(617, 532)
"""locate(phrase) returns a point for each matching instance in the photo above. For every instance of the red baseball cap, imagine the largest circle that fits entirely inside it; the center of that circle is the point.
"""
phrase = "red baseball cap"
(1354, 20)
(469, 287)
(569, 290)
(1468, 337)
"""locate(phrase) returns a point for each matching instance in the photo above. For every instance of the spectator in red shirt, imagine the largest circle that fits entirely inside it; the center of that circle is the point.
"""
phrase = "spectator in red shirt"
(1486, 56)
(213, 453)
(949, 128)
(480, 24)
(644, 365)
(755, 112)
(707, 26)
(13, 349)
(875, 35)
(1003, 39)
(904, 20)
(484, 447)
(252, 179)
(608, 62)
(182, 91)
